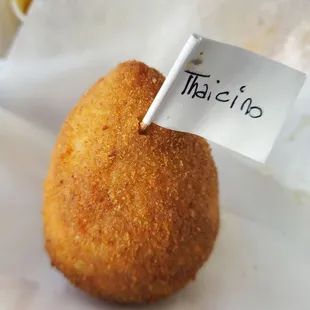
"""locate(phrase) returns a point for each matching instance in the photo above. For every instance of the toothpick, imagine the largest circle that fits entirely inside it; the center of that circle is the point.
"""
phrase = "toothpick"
(190, 45)
(143, 126)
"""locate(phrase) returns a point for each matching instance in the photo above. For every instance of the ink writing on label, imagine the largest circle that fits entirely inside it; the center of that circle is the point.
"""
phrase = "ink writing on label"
(196, 86)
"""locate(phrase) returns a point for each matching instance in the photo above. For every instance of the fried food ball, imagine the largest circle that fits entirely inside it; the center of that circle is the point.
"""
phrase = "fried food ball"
(128, 217)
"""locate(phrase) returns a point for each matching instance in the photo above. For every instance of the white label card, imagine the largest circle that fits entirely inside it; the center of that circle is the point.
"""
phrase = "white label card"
(230, 96)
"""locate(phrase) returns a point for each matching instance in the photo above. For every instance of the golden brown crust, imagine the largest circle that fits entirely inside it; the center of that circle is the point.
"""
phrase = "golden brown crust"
(128, 217)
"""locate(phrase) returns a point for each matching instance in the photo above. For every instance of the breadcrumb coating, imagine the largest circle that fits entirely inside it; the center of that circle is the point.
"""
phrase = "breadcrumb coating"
(128, 217)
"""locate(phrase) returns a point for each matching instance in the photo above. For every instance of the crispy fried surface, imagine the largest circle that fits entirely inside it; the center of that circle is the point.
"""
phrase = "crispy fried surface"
(128, 217)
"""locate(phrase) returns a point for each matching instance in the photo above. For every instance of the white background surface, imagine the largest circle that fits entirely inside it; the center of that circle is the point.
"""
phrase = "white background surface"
(262, 256)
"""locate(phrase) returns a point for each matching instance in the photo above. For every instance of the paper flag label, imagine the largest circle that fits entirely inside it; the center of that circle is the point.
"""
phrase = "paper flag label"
(230, 96)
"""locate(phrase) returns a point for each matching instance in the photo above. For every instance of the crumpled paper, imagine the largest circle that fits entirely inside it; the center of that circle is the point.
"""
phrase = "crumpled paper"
(261, 259)
(64, 48)
(8, 26)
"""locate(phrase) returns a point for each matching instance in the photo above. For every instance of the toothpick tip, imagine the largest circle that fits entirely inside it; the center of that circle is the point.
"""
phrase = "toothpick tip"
(143, 126)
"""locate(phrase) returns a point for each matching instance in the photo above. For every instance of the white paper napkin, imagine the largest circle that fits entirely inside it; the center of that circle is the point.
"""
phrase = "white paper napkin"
(64, 48)
(261, 260)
